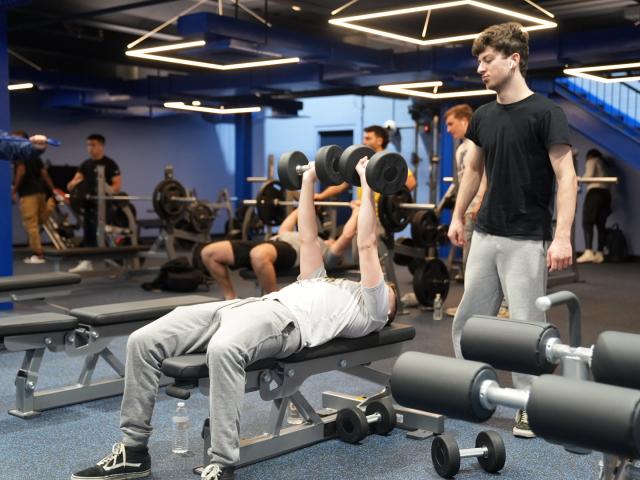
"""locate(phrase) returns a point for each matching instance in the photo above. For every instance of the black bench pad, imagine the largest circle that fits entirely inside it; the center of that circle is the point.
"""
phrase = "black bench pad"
(38, 280)
(195, 365)
(96, 252)
(134, 311)
(36, 323)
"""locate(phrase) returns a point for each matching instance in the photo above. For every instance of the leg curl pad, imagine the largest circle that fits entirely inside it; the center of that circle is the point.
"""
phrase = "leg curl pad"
(616, 359)
(443, 385)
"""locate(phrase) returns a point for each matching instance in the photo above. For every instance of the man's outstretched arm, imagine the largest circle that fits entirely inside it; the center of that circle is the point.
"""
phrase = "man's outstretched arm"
(310, 250)
(370, 269)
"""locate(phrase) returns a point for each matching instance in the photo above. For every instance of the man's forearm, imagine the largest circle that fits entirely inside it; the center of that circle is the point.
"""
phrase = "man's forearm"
(332, 191)
(307, 226)
(367, 223)
(468, 189)
(18, 181)
(566, 206)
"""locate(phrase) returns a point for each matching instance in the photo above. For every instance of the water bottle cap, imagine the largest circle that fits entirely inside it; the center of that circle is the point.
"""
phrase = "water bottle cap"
(180, 404)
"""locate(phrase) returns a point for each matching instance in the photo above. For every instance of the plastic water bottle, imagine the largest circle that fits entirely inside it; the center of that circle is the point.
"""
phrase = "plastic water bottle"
(181, 427)
(437, 307)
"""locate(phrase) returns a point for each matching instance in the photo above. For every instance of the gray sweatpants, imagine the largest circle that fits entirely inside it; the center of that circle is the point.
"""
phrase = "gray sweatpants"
(234, 334)
(500, 266)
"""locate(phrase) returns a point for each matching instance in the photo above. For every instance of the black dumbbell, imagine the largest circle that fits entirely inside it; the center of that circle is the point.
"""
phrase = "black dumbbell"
(353, 425)
(489, 450)
(292, 165)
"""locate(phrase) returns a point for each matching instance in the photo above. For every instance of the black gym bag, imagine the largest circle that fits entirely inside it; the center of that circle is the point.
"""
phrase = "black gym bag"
(176, 276)
(615, 245)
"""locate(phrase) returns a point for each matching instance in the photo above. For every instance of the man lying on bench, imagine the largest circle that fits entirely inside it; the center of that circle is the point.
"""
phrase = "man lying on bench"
(236, 333)
(269, 257)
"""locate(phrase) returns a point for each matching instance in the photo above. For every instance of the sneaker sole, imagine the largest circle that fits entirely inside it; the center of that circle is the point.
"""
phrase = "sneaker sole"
(518, 432)
(119, 476)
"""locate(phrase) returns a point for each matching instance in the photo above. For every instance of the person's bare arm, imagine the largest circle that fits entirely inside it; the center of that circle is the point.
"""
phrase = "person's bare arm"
(370, 269)
(348, 232)
(411, 182)
(20, 171)
(116, 184)
(310, 250)
(77, 178)
(289, 223)
(559, 255)
(469, 186)
(47, 179)
(331, 191)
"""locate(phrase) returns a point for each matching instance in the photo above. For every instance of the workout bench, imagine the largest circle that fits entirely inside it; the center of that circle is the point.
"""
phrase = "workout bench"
(84, 332)
(279, 381)
(36, 286)
(128, 254)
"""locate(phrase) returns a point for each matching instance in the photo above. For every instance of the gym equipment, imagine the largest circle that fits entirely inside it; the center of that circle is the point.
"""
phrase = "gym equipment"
(201, 217)
(489, 450)
(386, 171)
(10, 138)
(424, 228)
(279, 381)
(392, 217)
(353, 425)
(36, 286)
(431, 277)
(561, 410)
(168, 199)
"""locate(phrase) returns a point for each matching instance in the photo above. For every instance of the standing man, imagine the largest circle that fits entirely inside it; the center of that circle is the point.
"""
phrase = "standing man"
(31, 184)
(88, 172)
(521, 141)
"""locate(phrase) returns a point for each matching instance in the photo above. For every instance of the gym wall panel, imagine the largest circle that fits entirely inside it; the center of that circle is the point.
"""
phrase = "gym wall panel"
(201, 153)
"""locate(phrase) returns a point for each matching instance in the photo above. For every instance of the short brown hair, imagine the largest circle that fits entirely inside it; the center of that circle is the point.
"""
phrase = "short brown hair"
(506, 38)
(461, 111)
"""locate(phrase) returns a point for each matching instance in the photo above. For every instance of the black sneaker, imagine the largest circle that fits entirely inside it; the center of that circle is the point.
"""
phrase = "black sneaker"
(521, 428)
(216, 472)
(123, 463)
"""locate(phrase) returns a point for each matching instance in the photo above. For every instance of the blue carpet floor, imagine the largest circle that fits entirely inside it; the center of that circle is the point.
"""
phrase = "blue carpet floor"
(63, 440)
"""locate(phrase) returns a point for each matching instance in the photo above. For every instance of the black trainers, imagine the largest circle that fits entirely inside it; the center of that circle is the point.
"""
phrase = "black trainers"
(123, 463)
(216, 472)
(521, 428)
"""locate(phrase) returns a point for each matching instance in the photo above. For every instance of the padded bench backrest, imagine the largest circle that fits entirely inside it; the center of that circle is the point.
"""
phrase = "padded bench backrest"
(38, 280)
(36, 323)
(135, 311)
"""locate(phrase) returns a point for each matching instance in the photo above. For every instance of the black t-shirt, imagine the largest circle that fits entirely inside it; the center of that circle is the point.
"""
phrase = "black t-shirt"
(89, 170)
(32, 181)
(516, 139)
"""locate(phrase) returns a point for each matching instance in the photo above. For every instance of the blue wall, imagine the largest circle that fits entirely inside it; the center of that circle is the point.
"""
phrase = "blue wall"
(6, 259)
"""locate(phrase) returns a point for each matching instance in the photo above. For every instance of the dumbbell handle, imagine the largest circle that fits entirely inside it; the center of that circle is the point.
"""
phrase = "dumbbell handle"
(373, 418)
(474, 452)
(597, 179)
(493, 395)
(300, 169)
(292, 203)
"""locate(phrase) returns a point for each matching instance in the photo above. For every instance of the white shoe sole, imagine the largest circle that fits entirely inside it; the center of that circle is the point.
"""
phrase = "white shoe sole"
(119, 476)
(518, 432)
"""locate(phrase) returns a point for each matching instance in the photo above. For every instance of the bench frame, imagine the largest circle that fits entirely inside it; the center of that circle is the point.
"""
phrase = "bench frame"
(281, 385)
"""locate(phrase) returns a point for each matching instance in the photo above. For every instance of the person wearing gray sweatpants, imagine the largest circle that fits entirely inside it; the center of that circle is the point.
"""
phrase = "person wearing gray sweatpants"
(521, 142)
(236, 333)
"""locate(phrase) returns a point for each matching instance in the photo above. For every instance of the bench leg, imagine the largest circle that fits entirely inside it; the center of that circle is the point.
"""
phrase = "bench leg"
(26, 382)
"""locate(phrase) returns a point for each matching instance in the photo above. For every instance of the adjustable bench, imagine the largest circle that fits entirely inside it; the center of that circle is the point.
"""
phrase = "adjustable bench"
(83, 332)
(33, 286)
(279, 381)
(127, 254)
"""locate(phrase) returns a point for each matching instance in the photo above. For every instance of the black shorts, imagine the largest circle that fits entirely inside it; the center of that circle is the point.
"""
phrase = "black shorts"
(597, 206)
(285, 260)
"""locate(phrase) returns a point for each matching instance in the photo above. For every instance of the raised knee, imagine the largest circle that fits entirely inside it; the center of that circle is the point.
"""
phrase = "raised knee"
(259, 258)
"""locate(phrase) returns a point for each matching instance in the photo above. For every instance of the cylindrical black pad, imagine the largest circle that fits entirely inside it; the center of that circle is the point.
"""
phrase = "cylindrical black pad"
(509, 345)
(586, 414)
(448, 386)
(616, 359)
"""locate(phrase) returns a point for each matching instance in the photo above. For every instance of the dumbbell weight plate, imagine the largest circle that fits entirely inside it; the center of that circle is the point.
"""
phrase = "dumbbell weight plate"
(289, 178)
(424, 228)
(351, 425)
(392, 217)
(328, 165)
(162, 200)
(78, 197)
(268, 212)
(496, 456)
(430, 278)
(349, 159)
(201, 217)
(387, 172)
(388, 419)
(445, 455)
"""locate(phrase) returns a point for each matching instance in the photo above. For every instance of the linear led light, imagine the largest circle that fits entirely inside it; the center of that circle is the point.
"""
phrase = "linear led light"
(218, 110)
(411, 90)
(349, 22)
(20, 86)
(582, 72)
(149, 54)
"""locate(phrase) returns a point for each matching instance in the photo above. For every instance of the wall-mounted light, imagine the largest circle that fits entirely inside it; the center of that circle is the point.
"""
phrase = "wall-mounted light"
(411, 89)
(20, 86)
(351, 22)
(627, 72)
(217, 110)
(150, 54)
(296, 8)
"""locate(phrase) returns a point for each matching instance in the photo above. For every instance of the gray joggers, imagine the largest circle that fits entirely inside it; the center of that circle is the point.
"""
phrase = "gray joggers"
(234, 334)
(497, 266)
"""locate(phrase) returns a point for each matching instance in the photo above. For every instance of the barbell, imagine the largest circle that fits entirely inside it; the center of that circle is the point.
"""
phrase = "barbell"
(10, 138)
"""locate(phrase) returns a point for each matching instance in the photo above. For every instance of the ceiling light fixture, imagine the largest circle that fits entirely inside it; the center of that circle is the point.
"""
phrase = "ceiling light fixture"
(149, 54)
(625, 67)
(350, 22)
(20, 86)
(217, 110)
(411, 89)
(296, 8)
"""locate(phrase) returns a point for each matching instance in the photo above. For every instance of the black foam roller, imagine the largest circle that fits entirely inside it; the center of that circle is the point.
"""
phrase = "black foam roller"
(616, 359)
(443, 385)
(590, 415)
(512, 345)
